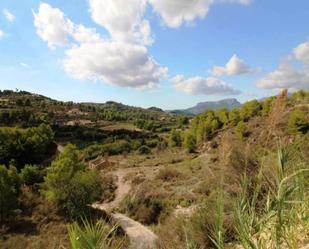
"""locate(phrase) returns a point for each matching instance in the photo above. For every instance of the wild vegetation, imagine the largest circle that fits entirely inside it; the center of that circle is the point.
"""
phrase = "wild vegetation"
(223, 179)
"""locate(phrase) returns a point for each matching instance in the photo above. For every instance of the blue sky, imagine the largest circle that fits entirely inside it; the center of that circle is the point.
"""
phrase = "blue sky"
(165, 53)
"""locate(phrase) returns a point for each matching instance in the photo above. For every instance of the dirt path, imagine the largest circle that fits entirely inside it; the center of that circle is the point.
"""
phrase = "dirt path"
(140, 236)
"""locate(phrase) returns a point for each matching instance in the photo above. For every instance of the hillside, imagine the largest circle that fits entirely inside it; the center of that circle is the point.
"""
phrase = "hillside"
(228, 178)
(201, 107)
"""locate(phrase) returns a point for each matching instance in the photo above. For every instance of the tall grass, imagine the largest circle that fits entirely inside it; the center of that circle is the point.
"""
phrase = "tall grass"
(271, 216)
(88, 235)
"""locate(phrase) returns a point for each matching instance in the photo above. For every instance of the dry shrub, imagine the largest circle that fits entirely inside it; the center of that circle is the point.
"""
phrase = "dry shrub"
(108, 188)
(167, 174)
(147, 204)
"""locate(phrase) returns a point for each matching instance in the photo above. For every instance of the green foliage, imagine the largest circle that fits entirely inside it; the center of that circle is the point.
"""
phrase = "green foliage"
(223, 116)
(18, 117)
(143, 150)
(69, 185)
(147, 210)
(93, 236)
(241, 130)
(32, 174)
(25, 145)
(299, 95)
(234, 117)
(8, 193)
(271, 220)
(298, 122)
(250, 109)
(266, 105)
(190, 143)
(175, 138)
(182, 120)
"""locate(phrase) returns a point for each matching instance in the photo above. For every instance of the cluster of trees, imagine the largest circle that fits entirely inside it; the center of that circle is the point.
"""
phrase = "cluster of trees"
(120, 113)
(22, 146)
(205, 126)
(298, 122)
(70, 185)
(15, 117)
(66, 183)
(10, 187)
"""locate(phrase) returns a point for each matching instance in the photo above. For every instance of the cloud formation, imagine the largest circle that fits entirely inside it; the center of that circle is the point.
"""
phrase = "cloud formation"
(1, 33)
(235, 66)
(174, 13)
(301, 52)
(121, 59)
(52, 25)
(118, 63)
(203, 86)
(286, 75)
(126, 26)
(90, 57)
(8, 15)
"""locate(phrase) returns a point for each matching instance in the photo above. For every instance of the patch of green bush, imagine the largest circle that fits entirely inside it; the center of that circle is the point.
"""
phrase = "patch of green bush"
(9, 190)
(298, 122)
(69, 185)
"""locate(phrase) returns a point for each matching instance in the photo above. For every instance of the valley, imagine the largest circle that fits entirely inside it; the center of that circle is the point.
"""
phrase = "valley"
(146, 179)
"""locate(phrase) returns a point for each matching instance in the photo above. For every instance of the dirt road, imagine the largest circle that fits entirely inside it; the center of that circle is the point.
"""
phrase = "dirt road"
(140, 236)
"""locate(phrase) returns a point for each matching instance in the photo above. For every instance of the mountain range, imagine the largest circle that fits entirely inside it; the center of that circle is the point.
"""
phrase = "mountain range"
(204, 106)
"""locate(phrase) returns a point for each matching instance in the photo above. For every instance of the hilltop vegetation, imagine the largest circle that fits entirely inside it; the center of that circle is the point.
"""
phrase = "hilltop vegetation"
(221, 179)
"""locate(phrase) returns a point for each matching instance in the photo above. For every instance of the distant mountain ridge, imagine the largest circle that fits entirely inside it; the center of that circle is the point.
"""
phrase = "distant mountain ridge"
(208, 105)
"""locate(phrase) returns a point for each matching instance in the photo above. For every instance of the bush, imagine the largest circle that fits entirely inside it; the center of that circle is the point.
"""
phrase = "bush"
(25, 145)
(175, 139)
(298, 123)
(32, 174)
(8, 194)
(144, 150)
(168, 174)
(241, 130)
(145, 210)
(234, 117)
(69, 185)
(190, 143)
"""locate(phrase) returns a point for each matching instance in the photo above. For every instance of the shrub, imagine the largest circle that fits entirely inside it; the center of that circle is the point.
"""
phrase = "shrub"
(8, 194)
(234, 117)
(89, 235)
(249, 110)
(190, 143)
(175, 138)
(241, 130)
(166, 174)
(31, 174)
(25, 145)
(69, 185)
(143, 150)
(147, 210)
(298, 123)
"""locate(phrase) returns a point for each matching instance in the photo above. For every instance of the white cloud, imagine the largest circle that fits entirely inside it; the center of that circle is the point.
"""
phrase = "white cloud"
(301, 52)
(285, 77)
(203, 86)
(89, 56)
(124, 21)
(8, 15)
(24, 65)
(235, 66)
(174, 13)
(1, 33)
(121, 59)
(117, 63)
(52, 26)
